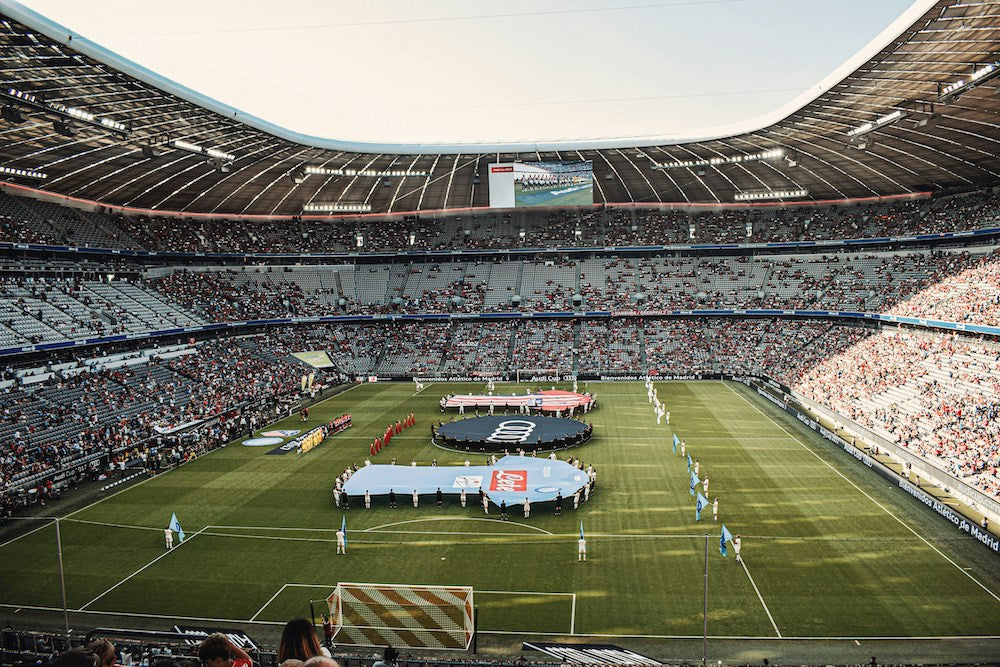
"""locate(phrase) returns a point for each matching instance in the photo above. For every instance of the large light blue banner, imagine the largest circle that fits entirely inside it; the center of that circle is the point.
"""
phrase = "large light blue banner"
(512, 479)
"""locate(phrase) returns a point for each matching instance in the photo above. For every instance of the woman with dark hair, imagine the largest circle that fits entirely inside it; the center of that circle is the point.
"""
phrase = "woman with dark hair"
(105, 652)
(299, 642)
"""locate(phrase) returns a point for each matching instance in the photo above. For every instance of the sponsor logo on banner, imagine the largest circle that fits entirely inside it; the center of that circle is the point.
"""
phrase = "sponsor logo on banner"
(501, 170)
(509, 480)
(261, 442)
(512, 430)
(591, 654)
(283, 433)
(468, 482)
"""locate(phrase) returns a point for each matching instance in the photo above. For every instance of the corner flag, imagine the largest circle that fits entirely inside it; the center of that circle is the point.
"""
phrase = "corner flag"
(175, 526)
(677, 441)
(343, 527)
(699, 504)
(726, 537)
(694, 482)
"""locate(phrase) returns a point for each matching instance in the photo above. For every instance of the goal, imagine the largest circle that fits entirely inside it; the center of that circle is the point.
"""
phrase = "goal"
(438, 617)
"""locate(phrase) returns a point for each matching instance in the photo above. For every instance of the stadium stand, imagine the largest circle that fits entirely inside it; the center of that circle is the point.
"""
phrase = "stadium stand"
(23, 219)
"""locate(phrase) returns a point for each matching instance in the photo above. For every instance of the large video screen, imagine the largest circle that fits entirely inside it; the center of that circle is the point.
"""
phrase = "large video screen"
(517, 184)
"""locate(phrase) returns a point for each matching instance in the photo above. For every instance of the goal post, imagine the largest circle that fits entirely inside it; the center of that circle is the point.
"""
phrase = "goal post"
(436, 617)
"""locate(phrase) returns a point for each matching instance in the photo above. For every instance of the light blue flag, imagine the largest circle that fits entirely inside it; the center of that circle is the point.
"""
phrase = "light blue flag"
(726, 537)
(343, 527)
(581, 530)
(699, 504)
(677, 441)
(690, 462)
(694, 482)
(175, 526)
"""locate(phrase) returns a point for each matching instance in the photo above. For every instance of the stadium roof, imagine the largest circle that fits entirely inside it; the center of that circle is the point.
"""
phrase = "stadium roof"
(60, 87)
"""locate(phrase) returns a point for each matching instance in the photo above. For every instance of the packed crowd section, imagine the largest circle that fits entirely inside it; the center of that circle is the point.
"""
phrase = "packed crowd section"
(122, 408)
(28, 220)
(957, 285)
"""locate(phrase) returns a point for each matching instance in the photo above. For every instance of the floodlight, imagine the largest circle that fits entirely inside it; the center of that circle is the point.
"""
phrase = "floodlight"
(336, 207)
(978, 77)
(877, 124)
(756, 195)
(23, 173)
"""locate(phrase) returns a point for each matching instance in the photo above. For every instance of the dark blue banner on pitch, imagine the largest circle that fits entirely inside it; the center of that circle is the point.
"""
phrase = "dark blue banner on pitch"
(512, 431)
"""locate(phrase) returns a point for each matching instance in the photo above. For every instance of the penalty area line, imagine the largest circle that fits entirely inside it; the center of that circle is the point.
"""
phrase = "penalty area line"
(165, 553)
(269, 601)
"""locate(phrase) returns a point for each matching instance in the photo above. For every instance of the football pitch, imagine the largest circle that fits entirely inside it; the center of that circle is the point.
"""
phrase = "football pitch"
(831, 549)
(557, 195)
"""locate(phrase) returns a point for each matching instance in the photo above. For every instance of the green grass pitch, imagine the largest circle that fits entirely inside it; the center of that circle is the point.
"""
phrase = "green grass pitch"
(831, 549)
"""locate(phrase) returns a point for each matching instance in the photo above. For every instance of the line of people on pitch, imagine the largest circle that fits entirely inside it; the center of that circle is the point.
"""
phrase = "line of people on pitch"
(694, 468)
(391, 430)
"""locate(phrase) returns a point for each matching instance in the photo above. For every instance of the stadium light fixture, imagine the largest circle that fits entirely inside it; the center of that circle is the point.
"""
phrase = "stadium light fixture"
(877, 124)
(336, 207)
(978, 77)
(214, 153)
(367, 173)
(757, 195)
(24, 173)
(21, 98)
(772, 154)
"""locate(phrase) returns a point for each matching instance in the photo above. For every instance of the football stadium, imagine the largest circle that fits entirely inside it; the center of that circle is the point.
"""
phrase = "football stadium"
(716, 389)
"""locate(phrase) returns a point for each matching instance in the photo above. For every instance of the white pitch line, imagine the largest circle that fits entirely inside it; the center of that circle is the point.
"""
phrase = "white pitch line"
(424, 387)
(165, 553)
(862, 491)
(30, 532)
(572, 617)
(95, 612)
(759, 597)
(269, 601)
(113, 525)
(454, 518)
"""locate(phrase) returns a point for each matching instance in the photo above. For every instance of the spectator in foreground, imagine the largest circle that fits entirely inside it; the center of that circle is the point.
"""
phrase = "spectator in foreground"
(299, 642)
(217, 650)
(389, 657)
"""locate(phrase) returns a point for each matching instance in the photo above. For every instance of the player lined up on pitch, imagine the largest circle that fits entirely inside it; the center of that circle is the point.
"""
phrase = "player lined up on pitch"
(701, 497)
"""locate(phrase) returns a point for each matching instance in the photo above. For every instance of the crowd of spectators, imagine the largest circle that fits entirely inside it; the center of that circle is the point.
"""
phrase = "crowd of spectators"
(961, 285)
(120, 414)
(938, 396)
(22, 220)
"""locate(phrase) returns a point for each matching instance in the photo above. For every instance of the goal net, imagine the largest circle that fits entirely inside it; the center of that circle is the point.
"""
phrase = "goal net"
(439, 617)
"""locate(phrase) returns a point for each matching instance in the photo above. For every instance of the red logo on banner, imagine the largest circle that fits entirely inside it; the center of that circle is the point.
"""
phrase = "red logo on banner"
(509, 480)
(497, 170)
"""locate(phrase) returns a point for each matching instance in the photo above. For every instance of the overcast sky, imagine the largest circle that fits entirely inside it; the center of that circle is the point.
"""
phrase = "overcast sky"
(518, 70)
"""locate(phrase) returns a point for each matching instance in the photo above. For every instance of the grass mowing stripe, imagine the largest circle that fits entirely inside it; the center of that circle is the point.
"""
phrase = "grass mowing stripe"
(862, 491)
(165, 553)
(761, 598)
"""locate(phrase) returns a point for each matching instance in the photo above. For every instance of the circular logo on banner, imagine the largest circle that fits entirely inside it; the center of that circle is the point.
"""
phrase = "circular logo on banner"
(547, 489)
(261, 442)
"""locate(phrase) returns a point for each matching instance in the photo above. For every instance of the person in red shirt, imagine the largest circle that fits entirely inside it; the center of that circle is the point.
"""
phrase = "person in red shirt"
(217, 650)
